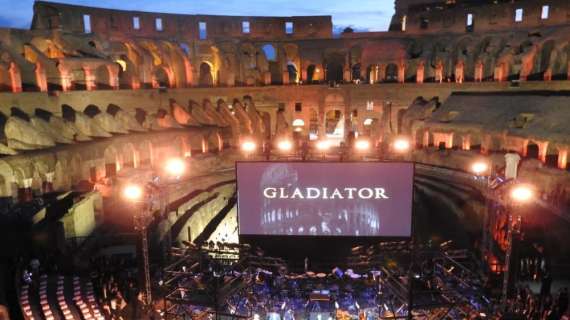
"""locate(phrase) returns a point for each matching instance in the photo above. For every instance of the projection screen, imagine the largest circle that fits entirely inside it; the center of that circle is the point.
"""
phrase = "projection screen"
(368, 199)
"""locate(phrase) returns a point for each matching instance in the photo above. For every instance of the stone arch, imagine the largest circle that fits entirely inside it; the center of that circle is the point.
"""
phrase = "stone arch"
(76, 170)
(103, 78)
(111, 161)
(542, 61)
(311, 73)
(334, 71)
(293, 72)
(5, 82)
(532, 150)
(313, 122)
(41, 170)
(129, 155)
(391, 73)
(162, 77)
(551, 157)
(92, 110)
(334, 118)
(78, 79)
(6, 180)
(146, 153)
(356, 71)
(62, 177)
(206, 78)
(273, 67)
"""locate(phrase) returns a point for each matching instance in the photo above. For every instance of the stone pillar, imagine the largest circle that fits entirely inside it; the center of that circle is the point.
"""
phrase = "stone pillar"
(542, 149)
(466, 143)
(64, 76)
(41, 78)
(286, 77)
(562, 159)
(346, 74)
(420, 72)
(401, 72)
(25, 191)
(425, 139)
(267, 78)
(48, 187)
(113, 78)
(439, 72)
(15, 78)
(547, 76)
(89, 79)
(459, 72)
(381, 73)
(479, 67)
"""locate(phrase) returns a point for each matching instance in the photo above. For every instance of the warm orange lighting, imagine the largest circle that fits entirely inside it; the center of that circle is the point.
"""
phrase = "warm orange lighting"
(479, 168)
(401, 145)
(248, 146)
(285, 145)
(323, 145)
(522, 193)
(175, 167)
(362, 145)
(133, 192)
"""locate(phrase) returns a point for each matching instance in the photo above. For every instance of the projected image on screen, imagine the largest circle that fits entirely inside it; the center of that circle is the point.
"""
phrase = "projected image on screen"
(325, 199)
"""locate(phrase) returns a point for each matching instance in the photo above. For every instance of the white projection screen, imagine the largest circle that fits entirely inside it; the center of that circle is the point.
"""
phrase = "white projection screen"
(354, 199)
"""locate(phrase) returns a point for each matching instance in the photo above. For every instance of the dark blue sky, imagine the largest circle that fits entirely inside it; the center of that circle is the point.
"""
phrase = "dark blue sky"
(365, 15)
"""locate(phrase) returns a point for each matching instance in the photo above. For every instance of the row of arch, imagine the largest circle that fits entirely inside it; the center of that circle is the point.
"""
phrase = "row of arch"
(61, 170)
(552, 155)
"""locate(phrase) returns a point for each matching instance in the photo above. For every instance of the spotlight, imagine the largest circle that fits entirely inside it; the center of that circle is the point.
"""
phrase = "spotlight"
(323, 145)
(285, 145)
(248, 146)
(133, 192)
(522, 193)
(175, 167)
(479, 168)
(401, 145)
(362, 145)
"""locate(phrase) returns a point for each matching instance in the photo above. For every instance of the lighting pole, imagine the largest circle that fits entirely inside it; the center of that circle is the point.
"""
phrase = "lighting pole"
(144, 195)
(518, 194)
(142, 218)
(482, 175)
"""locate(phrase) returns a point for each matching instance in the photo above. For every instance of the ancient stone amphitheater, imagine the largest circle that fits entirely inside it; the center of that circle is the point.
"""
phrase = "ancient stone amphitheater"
(90, 96)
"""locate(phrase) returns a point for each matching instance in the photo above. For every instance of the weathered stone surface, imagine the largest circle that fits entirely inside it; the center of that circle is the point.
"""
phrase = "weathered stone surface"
(22, 135)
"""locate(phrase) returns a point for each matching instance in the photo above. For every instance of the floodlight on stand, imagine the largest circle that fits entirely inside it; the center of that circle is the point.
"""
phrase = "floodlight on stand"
(362, 145)
(248, 146)
(479, 168)
(401, 145)
(175, 167)
(323, 145)
(133, 192)
(285, 145)
(522, 193)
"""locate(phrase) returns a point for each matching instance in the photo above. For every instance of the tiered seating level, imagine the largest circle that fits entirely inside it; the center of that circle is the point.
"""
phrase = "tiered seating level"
(60, 298)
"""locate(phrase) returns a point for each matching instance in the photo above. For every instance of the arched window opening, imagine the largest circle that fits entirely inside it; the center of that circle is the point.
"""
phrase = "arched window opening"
(206, 78)
(102, 78)
(334, 72)
(532, 151)
(293, 74)
(391, 73)
(311, 73)
(356, 72)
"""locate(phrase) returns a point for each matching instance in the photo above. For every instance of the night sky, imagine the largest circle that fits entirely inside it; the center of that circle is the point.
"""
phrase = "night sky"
(361, 15)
